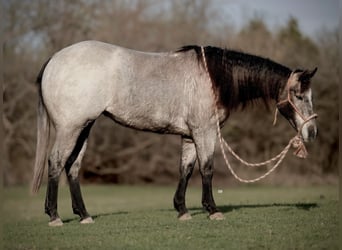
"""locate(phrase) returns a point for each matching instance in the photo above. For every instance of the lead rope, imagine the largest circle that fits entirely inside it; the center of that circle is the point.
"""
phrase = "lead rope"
(296, 142)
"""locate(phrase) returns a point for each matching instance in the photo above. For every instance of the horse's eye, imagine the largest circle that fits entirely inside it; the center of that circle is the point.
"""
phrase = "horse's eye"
(299, 97)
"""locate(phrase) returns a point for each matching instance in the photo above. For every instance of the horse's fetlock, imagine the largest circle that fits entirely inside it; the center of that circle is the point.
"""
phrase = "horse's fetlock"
(76, 211)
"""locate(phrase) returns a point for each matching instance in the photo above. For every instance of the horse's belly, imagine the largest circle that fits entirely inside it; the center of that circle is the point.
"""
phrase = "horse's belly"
(151, 121)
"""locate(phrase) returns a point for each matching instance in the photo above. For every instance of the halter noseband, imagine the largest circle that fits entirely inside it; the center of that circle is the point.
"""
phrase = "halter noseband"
(282, 103)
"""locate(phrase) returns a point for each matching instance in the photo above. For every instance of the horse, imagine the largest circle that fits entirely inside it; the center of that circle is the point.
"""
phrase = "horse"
(170, 92)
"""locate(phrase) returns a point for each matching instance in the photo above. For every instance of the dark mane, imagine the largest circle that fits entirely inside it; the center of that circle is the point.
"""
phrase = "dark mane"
(240, 78)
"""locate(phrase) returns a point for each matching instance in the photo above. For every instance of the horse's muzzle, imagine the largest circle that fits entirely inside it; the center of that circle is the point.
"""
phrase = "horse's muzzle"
(312, 132)
(309, 132)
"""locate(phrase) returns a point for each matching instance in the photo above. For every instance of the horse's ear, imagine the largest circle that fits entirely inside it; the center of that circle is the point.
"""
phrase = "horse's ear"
(313, 72)
(306, 75)
(305, 78)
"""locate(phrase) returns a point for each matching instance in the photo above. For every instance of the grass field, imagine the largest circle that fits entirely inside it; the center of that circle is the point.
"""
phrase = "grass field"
(142, 217)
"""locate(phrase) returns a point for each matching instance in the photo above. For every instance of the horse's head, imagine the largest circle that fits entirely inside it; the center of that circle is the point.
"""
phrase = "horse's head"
(295, 103)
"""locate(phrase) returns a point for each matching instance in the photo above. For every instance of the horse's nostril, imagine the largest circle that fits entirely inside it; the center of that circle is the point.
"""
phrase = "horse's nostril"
(312, 132)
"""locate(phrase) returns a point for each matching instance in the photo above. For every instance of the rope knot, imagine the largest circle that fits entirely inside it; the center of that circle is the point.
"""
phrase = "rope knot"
(299, 146)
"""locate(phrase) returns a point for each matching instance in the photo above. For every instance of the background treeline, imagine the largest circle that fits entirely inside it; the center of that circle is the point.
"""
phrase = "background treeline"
(34, 30)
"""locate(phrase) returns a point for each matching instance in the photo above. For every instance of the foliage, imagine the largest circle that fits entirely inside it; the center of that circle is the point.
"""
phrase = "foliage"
(141, 217)
(35, 30)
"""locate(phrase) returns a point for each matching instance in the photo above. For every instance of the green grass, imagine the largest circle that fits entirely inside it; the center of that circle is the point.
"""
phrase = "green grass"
(142, 217)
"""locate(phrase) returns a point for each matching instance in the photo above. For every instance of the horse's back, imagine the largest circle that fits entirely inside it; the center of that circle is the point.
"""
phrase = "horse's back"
(139, 89)
(93, 63)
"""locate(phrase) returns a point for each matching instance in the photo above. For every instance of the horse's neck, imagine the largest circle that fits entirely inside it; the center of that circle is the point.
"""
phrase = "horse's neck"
(241, 78)
(255, 83)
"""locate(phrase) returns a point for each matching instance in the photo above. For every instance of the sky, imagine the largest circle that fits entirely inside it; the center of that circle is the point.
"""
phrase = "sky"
(313, 15)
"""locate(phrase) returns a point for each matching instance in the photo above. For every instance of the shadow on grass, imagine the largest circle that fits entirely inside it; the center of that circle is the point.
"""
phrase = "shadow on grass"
(223, 209)
(95, 216)
(230, 208)
(304, 206)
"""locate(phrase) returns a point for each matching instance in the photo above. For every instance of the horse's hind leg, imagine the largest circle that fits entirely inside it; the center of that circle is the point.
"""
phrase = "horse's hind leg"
(72, 168)
(62, 148)
(188, 160)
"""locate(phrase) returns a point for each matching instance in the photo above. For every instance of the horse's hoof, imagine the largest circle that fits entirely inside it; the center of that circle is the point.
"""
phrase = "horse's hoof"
(216, 216)
(56, 223)
(185, 217)
(88, 220)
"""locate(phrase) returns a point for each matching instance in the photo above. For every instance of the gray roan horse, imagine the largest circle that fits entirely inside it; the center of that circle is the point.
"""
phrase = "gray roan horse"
(160, 92)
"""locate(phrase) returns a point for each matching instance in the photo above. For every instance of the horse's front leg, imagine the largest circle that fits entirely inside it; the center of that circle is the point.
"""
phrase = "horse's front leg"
(188, 160)
(205, 145)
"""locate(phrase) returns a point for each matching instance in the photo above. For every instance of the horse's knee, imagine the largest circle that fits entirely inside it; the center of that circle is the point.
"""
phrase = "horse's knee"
(188, 158)
(206, 168)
